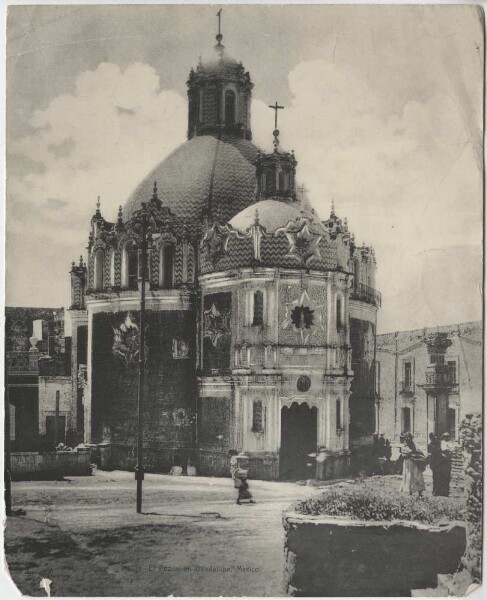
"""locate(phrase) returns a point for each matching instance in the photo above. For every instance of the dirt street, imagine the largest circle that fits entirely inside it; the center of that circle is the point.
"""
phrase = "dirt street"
(191, 540)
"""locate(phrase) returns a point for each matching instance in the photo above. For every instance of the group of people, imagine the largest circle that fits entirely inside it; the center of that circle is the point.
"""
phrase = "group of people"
(411, 461)
(414, 462)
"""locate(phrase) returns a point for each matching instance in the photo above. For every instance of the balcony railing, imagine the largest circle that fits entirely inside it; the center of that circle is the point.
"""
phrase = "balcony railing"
(440, 376)
(368, 294)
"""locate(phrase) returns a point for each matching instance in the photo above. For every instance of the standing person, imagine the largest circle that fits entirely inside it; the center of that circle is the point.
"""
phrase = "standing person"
(400, 459)
(444, 466)
(434, 459)
(320, 462)
(239, 473)
(412, 468)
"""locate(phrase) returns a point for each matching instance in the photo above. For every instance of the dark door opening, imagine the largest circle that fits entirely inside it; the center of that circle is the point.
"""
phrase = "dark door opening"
(55, 431)
(298, 439)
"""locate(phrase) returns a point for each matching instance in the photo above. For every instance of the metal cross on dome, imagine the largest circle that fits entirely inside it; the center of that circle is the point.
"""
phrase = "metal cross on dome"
(275, 107)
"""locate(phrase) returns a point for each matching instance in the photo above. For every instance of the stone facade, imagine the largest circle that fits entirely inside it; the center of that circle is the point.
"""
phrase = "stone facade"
(403, 362)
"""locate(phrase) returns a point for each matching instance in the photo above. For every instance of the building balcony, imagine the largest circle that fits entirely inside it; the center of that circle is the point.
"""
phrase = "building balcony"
(365, 293)
(440, 377)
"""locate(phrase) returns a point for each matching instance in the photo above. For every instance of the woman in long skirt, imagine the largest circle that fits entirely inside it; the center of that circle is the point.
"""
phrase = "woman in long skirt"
(240, 476)
(412, 469)
(434, 459)
(444, 467)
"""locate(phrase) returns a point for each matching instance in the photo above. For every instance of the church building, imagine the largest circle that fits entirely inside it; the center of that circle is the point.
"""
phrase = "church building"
(260, 318)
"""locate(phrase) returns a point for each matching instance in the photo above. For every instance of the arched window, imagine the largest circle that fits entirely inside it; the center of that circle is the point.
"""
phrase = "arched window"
(229, 108)
(270, 182)
(283, 182)
(356, 272)
(258, 318)
(257, 417)
(132, 266)
(339, 414)
(112, 267)
(99, 265)
(339, 314)
(166, 268)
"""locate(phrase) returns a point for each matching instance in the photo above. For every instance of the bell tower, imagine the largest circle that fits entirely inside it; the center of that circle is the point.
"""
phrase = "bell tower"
(219, 95)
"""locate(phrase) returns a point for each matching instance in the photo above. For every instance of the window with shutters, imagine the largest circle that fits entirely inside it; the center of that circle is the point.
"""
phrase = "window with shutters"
(406, 419)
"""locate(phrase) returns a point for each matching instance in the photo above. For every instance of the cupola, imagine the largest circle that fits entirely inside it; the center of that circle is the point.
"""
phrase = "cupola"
(219, 95)
(276, 171)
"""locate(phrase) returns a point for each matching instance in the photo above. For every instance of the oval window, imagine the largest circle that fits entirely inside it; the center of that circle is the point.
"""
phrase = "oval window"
(303, 383)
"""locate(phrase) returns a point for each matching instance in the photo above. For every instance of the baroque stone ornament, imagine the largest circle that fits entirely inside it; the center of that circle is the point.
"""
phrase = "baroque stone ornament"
(216, 239)
(126, 342)
(217, 324)
(180, 349)
(304, 316)
(303, 240)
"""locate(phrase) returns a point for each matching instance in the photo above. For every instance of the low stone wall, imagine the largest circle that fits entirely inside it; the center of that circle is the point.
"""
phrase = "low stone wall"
(49, 465)
(344, 557)
(157, 458)
(336, 466)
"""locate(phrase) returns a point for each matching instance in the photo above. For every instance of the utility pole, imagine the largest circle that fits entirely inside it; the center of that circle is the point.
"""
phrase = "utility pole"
(7, 466)
(139, 469)
(56, 421)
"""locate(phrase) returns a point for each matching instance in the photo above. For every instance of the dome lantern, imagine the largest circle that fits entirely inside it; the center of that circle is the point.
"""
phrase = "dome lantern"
(219, 95)
(276, 172)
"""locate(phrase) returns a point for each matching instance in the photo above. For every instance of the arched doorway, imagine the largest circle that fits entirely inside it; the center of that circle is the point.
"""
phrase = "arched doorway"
(298, 439)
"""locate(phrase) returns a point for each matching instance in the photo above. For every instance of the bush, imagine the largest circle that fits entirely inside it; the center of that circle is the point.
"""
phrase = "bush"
(471, 438)
(369, 505)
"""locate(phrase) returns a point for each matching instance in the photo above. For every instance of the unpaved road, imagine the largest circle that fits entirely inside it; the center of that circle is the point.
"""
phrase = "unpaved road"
(191, 540)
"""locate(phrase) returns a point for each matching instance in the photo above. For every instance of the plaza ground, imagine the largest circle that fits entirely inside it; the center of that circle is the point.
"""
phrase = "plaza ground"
(191, 540)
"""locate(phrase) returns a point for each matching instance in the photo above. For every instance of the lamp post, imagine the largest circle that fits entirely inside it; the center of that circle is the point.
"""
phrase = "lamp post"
(7, 466)
(142, 220)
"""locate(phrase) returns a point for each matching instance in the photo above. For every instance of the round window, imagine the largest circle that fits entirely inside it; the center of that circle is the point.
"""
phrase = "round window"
(303, 383)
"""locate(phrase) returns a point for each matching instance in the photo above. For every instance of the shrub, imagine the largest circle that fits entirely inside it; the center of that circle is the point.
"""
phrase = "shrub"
(370, 505)
(471, 438)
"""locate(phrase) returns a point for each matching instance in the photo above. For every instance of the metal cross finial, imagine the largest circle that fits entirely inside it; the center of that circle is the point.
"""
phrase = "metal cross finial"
(275, 107)
(302, 190)
(219, 36)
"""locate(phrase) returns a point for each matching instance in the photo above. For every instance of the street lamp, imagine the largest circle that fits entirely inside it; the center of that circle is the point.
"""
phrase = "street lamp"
(142, 222)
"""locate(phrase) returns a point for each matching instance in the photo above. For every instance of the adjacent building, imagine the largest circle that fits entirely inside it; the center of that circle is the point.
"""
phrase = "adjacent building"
(427, 380)
(38, 369)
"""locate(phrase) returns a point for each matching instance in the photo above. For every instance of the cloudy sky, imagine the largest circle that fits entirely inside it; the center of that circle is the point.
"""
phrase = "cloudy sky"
(383, 110)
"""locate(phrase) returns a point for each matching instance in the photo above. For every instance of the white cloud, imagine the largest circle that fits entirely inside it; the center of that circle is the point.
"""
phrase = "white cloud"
(408, 183)
(100, 140)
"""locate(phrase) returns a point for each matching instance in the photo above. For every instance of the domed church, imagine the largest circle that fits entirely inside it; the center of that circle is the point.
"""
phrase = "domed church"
(260, 319)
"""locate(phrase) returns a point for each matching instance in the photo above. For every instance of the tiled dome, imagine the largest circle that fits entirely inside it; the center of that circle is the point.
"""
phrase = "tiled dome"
(290, 238)
(205, 172)
(272, 214)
